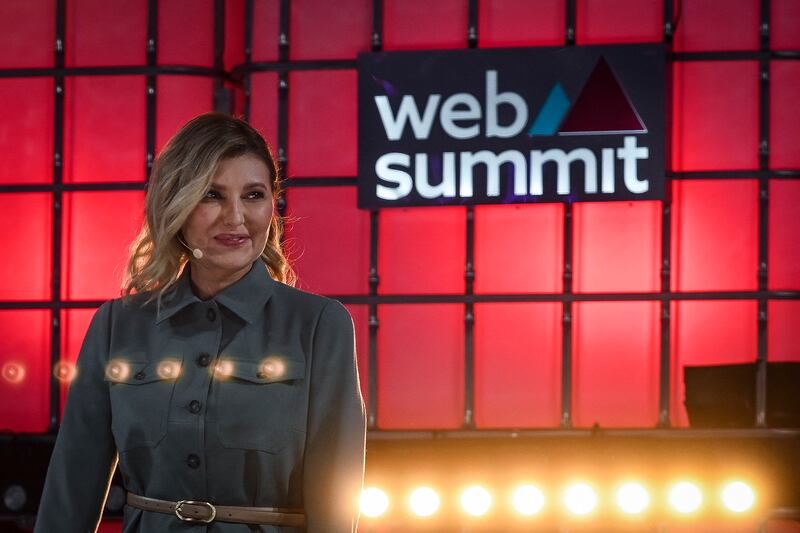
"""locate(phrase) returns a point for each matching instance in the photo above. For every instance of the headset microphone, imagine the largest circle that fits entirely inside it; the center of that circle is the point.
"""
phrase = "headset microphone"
(196, 252)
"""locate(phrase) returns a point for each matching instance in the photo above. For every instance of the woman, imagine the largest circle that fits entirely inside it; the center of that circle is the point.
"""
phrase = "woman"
(229, 398)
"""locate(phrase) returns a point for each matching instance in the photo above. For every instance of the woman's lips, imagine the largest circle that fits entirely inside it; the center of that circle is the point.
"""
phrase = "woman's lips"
(231, 240)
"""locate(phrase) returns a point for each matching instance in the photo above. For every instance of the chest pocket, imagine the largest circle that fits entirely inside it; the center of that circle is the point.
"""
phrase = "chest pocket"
(141, 393)
(257, 402)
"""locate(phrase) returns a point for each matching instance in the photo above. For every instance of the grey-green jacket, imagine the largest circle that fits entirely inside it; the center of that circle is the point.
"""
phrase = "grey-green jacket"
(179, 394)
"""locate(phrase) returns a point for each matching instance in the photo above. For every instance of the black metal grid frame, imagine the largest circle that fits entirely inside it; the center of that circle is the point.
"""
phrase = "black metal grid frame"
(241, 76)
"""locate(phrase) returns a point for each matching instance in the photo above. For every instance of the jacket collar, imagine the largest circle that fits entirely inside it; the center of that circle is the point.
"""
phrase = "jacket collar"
(245, 298)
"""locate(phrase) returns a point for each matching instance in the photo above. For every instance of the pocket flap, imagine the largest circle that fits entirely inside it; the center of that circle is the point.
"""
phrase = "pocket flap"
(142, 372)
(269, 370)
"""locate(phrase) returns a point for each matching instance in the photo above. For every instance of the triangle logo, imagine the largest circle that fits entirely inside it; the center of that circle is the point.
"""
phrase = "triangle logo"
(602, 107)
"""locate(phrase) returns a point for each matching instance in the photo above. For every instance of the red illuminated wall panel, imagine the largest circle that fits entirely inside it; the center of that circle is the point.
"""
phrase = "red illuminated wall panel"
(715, 235)
(98, 228)
(180, 98)
(519, 248)
(421, 25)
(783, 339)
(517, 365)
(420, 366)
(26, 219)
(784, 15)
(329, 30)
(27, 45)
(234, 30)
(709, 333)
(520, 23)
(104, 131)
(615, 367)
(25, 370)
(784, 118)
(715, 120)
(26, 137)
(784, 235)
(264, 106)
(322, 114)
(617, 247)
(327, 239)
(618, 21)
(717, 25)
(423, 250)
(265, 31)
(186, 32)
(105, 33)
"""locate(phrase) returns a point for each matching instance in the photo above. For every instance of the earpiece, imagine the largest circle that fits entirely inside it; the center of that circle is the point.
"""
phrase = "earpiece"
(196, 252)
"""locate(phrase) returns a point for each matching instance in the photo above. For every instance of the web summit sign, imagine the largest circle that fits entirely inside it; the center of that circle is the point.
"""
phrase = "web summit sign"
(519, 125)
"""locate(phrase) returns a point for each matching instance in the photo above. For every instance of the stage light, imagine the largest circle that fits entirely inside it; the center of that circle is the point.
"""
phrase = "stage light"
(374, 502)
(685, 497)
(118, 370)
(13, 372)
(15, 497)
(476, 500)
(580, 499)
(738, 497)
(64, 371)
(168, 369)
(424, 501)
(528, 500)
(633, 498)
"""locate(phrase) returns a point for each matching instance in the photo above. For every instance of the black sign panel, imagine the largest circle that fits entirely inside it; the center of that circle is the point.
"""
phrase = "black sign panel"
(521, 125)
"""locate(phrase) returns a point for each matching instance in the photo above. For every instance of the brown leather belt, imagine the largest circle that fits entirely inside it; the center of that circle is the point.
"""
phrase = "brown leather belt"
(205, 512)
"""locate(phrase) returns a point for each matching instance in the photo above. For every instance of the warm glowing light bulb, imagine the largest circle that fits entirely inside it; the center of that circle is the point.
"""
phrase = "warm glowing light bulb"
(64, 371)
(738, 496)
(168, 369)
(633, 498)
(528, 500)
(685, 497)
(476, 500)
(424, 501)
(13, 372)
(374, 502)
(580, 499)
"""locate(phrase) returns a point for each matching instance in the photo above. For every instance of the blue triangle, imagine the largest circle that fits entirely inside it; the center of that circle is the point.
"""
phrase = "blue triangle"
(552, 113)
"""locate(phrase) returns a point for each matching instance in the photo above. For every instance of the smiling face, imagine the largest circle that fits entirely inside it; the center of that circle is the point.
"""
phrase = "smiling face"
(231, 223)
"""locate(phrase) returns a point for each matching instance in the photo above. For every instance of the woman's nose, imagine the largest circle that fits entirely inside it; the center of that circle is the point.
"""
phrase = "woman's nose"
(234, 215)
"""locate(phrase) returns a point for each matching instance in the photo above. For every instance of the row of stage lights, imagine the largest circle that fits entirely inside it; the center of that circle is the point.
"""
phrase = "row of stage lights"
(579, 499)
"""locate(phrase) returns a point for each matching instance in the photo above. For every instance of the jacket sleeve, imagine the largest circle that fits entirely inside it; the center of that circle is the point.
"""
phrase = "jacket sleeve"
(333, 467)
(84, 457)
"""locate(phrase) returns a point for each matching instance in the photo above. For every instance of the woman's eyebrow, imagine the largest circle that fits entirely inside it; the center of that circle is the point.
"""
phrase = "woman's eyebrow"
(252, 184)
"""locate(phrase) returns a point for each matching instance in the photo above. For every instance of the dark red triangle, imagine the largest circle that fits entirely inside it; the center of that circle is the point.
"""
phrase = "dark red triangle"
(602, 106)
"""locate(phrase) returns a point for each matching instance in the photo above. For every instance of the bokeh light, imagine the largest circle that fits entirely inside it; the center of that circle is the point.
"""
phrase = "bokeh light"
(64, 371)
(685, 497)
(168, 369)
(738, 496)
(633, 498)
(13, 372)
(424, 501)
(476, 500)
(374, 502)
(528, 500)
(580, 499)
(118, 370)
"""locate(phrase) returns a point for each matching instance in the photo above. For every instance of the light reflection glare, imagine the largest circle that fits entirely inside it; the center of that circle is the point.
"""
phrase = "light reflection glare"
(272, 367)
(224, 368)
(580, 499)
(738, 496)
(168, 369)
(424, 501)
(685, 497)
(64, 371)
(528, 500)
(476, 500)
(118, 370)
(13, 372)
(374, 502)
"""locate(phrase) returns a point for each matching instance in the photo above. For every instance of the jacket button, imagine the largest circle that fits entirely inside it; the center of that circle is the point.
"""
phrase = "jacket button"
(211, 315)
(194, 406)
(193, 461)
(139, 375)
(204, 359)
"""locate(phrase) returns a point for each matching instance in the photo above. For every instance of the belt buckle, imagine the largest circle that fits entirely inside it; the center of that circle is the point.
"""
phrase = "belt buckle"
(180, 504)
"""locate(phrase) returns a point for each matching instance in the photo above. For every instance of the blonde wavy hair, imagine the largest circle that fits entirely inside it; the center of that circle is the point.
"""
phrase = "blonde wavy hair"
(181, 176)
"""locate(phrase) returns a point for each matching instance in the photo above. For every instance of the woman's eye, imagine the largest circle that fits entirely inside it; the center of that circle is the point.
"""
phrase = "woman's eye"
(255, 194)
(212, 195)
